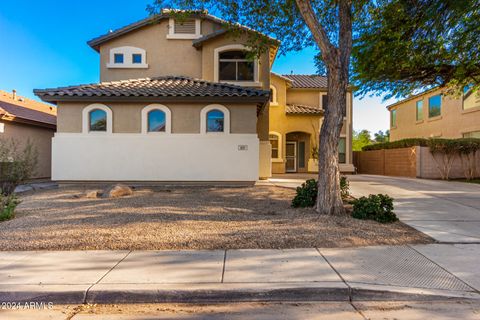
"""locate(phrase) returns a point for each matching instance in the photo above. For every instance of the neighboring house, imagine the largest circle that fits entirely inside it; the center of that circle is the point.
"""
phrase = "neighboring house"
(179, 100)
(25, 120)
(297, 103)
(433, 114)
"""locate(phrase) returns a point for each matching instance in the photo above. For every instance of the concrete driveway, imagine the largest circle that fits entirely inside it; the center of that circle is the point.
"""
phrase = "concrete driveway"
(445, 210)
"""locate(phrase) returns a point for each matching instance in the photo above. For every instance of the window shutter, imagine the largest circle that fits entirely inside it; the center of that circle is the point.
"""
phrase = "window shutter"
(184, 26)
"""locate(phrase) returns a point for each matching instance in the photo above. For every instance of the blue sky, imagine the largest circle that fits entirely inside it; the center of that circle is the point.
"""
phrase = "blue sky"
(44, 45)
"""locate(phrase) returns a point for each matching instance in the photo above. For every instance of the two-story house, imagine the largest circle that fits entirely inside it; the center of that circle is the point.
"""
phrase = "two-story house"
(434, 114)
(178, 100)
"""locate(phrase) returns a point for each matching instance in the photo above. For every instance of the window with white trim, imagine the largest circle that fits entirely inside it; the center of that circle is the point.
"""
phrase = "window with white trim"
(275, 143)
(127, 57)
(234, 66)
(215, 119)
(156, 118)
(184, 28)
(97, 118)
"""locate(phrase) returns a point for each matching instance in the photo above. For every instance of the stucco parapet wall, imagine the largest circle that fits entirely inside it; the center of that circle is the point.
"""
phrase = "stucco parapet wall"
(143, 157)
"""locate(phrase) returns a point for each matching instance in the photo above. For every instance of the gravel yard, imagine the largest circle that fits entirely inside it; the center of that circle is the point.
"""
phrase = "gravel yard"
(186, 218)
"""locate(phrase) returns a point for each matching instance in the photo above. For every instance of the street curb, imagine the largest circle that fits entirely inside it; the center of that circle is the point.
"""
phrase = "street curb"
(156, 295)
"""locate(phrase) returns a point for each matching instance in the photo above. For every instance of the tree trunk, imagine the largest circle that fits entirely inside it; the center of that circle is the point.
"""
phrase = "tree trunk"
(329, 199)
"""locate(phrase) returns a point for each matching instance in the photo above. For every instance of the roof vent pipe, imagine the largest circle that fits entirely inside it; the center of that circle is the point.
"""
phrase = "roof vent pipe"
(14, 94)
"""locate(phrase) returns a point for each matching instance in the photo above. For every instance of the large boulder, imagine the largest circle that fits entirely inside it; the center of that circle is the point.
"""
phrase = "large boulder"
(118, 190)
(93, 194)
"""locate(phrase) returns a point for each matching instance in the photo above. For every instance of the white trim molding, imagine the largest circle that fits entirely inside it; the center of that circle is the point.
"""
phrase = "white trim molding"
(216, 61)
(185, 36)
(274, 101)
(86, 118)
(168, 118)
(128, 53)
(226, 118)
(280, 146)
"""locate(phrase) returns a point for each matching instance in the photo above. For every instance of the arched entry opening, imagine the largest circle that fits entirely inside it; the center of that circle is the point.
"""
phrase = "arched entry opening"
(297, 151)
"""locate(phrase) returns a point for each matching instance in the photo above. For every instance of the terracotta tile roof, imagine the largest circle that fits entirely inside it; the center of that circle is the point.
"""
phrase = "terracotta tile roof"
(303, 109)
(158, 87)
(307, 81)
(12, 111)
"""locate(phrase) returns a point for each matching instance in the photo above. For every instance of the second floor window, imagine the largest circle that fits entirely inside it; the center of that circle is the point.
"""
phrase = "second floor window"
(136, 58)
(118, 58)
(435, 106)
(393, 118)
(234, 66)
(419, 110)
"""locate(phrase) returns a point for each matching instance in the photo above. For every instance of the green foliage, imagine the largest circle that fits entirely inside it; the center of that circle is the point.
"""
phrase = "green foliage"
(404, 46)
(306, 194)
(404, 143)
(381, 137)
(376, 207)
(17, 164)
(7, 207)
(344, 187)
(360, 139)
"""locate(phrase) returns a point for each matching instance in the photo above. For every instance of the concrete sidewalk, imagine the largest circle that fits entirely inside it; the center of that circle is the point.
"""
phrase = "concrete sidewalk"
(359, 274)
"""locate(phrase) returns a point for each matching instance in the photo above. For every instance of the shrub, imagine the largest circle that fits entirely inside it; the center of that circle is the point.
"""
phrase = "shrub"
(7, 207)
(344, 187)
(16, 164)
(404, 143)
(376, 207)
(306, 194)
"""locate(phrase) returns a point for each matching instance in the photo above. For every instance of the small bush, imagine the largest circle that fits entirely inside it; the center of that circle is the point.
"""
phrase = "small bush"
(404, 143)
(376, 207)
(344, 187)
(7, 207)
(306, 194)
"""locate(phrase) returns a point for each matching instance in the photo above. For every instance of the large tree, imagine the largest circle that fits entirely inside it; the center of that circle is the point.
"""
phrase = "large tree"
(324, 24)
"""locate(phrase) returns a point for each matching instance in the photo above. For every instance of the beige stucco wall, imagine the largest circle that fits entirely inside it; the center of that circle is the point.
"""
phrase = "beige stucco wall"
(164, 56)
(185, 117)
(40, 137)
(453, 122)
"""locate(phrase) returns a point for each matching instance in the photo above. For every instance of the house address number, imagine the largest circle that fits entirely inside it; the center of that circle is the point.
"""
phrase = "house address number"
(242, 147)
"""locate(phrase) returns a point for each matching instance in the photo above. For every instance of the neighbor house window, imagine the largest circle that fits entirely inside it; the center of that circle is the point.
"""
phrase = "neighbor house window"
(98, 120)
(419, 110)
(471, 98)
(435, 106)
(118, 58)
(215, 121)
(156, 121)
(234, 66)
(274, 141)
(136, 58)
(273, 96)
(342, 150)
(393, 118)
(324, 101)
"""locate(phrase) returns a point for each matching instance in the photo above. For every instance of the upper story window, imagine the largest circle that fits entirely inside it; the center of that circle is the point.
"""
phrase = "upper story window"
(471, 98)
(435, 106)
(419, 110)
(98, 120)
(273, 96)
(127, 57)
(324, 101)
(393, 118)
(232, 65)
(235, 66)
(118, 58)
(184, 28)
(215, 121)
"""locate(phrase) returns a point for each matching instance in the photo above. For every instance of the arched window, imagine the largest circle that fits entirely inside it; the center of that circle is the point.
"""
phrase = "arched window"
(156, 118)
(98, 120)
(273, 96)
(215, 121)
(156, 121)
(215, 118)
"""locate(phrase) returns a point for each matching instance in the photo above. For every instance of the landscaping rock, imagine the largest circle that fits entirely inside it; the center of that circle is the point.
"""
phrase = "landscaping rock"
(116, 191)
(93, 194)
